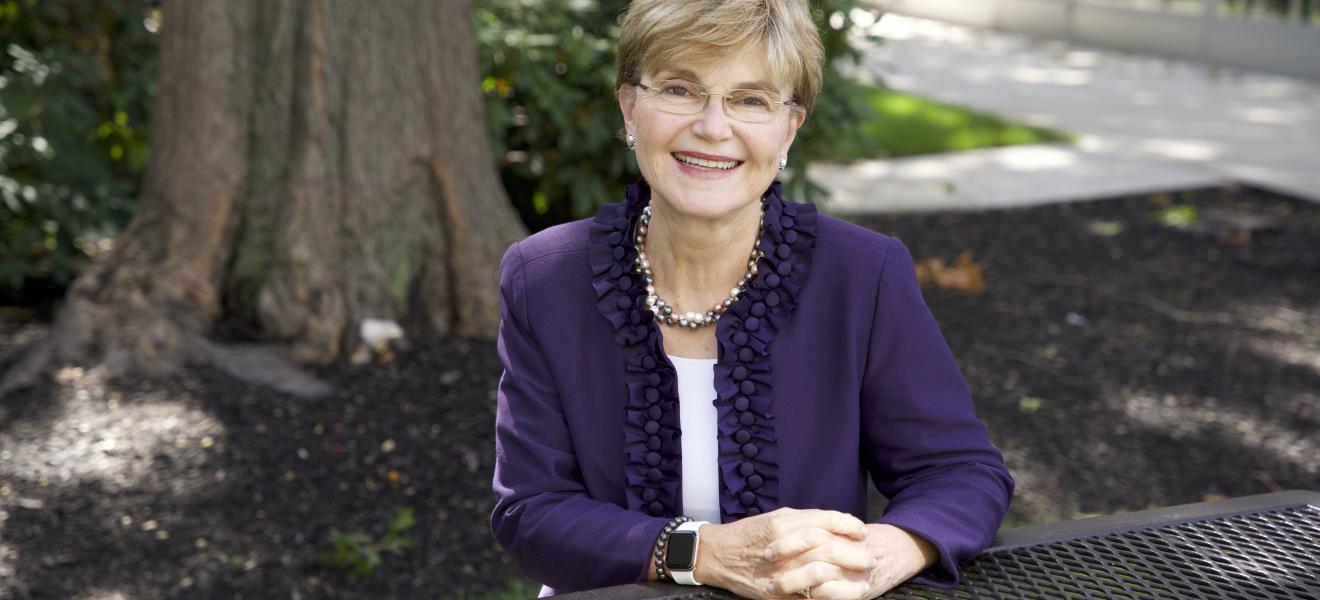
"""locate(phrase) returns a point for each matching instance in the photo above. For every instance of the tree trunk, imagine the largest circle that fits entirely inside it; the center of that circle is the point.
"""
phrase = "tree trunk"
(312, 164)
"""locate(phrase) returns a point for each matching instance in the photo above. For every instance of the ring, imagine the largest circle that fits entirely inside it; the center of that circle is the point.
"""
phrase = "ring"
(806, 593)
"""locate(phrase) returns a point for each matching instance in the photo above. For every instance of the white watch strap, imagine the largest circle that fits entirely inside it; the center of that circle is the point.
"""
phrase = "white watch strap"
(686, 577)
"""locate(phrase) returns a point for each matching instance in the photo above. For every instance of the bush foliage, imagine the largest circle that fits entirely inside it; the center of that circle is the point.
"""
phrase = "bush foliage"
(77, 80)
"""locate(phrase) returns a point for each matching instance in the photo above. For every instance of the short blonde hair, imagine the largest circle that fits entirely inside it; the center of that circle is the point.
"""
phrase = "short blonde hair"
(665, 33)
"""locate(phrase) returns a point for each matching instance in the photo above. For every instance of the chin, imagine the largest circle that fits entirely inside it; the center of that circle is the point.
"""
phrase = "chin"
(708, 199)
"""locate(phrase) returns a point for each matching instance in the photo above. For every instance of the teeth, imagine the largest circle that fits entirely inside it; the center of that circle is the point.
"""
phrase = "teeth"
(709, 164)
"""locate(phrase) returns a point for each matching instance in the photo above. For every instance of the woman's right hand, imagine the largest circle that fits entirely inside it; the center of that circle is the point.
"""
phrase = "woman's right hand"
(733, 556)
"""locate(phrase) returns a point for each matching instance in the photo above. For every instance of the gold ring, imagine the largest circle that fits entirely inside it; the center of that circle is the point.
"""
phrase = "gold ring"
(806, 592)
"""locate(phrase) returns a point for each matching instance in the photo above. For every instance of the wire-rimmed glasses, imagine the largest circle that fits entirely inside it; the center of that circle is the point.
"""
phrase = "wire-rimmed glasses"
(682, 97)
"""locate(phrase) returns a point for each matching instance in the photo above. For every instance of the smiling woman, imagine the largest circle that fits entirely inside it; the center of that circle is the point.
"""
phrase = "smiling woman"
(796, 357)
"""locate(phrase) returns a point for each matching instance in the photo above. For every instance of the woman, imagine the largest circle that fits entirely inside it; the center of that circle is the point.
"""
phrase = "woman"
(708, 350)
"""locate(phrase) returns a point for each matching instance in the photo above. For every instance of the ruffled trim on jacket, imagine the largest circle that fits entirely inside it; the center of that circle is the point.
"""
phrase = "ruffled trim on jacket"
(748, 444)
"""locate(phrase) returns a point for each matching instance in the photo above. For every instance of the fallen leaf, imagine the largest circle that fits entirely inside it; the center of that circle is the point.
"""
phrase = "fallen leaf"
(964, 275)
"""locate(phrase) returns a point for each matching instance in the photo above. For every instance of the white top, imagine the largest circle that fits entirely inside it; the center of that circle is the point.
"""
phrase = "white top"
(697, 417)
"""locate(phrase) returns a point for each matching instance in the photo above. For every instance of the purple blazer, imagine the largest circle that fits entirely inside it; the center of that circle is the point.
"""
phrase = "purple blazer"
(830, 367)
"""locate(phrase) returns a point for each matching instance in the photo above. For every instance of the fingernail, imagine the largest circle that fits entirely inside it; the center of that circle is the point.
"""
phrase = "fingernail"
(766, 554)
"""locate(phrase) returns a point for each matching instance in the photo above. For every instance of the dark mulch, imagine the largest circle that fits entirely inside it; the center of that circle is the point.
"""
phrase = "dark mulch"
(1120, 363)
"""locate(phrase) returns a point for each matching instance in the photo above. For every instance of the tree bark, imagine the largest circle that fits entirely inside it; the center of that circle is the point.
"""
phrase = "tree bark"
(312, 164)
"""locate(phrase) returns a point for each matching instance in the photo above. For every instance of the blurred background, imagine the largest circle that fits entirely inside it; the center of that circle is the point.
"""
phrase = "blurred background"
(248, 255)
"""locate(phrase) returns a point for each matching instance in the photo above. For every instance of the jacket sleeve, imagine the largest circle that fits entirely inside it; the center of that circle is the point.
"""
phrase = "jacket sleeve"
(925, 449)
(543, 515)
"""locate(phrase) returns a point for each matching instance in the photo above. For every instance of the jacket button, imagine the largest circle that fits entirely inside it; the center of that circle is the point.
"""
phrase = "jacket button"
(655, 508)
(614, 238)
(617, 253)
(784, 268)
(746, 355)
(654, 413)
(758, 309)
(648, 362)
(747, 387)
(749, 450)
(743, 436)
(740, 338)
(783, 251)
(752, 511)
(787, 222)
(772, 299)
(741, 403)
(653, 442)
(652, 395)
(653, 379)
(772, 280)
(752, 323)
(653, 474)
(651, 427)
(791, 237)
(653, 458)
(748, 499)
(740, 373)
(747, 419)
(648, 494)
(755, 482)
(746, 469)
(625, 283)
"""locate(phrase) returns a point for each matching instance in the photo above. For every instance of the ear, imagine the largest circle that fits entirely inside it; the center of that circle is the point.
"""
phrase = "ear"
(627, 96)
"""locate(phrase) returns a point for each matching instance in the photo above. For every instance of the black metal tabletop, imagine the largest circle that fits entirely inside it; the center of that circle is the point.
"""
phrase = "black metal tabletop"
(1250, 548)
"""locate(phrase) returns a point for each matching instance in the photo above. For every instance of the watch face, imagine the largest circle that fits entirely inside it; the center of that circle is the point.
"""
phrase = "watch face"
(682, 552)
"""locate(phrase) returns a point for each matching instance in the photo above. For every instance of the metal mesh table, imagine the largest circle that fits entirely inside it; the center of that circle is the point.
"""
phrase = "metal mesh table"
(1250, 548)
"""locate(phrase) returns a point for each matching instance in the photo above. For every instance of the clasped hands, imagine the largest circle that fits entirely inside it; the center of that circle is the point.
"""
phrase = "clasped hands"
(776, 555)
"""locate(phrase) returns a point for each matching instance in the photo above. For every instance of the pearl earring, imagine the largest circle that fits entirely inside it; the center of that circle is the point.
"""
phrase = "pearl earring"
(632, 142)
(783, 162)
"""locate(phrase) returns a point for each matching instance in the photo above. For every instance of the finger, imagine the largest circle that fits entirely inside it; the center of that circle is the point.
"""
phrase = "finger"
(815, 544)
(831, 520)
(836, 589)
(805, 576)
(796, 542)
(843, 553)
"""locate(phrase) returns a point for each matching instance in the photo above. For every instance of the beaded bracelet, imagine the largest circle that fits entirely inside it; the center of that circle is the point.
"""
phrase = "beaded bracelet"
(661, 572)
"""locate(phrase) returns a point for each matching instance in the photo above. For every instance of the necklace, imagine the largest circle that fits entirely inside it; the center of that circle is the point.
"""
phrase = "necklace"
(664, 312)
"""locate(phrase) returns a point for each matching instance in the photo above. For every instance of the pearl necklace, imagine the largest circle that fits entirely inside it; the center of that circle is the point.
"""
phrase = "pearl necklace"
(664, 312)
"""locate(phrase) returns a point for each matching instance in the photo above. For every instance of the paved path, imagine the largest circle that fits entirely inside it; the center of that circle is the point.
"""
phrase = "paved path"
(1146, 123)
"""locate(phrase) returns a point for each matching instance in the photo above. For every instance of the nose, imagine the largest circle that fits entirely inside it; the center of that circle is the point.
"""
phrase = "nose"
(713, 122)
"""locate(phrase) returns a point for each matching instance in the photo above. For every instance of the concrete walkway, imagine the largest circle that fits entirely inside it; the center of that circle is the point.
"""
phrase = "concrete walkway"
(1146, 123)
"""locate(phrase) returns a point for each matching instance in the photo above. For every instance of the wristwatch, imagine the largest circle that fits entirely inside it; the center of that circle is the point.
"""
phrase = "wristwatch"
(681, 552)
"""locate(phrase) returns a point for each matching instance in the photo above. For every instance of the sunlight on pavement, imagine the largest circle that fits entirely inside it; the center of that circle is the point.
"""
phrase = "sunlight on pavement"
(95, 436)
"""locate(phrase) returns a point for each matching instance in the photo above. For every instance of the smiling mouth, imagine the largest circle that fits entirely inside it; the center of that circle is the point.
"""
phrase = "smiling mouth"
(718, 165)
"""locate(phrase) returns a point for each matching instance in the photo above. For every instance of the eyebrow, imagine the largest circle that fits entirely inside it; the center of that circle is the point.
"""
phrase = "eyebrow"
(746, 85)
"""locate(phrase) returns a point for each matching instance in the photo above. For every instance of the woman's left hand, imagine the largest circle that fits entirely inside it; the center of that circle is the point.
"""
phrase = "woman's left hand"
(807, 561)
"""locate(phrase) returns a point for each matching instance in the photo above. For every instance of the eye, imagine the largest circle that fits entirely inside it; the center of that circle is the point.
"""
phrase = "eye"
(677, 89)
(752, 100)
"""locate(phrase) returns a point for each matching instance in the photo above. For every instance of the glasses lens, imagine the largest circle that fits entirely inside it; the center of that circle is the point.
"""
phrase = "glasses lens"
(678, 96)
(750, 105)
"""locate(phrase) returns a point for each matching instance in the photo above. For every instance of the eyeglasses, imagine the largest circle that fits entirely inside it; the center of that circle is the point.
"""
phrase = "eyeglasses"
(682, 97)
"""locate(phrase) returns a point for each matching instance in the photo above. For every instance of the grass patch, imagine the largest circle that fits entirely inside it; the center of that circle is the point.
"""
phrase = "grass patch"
(905, 125)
